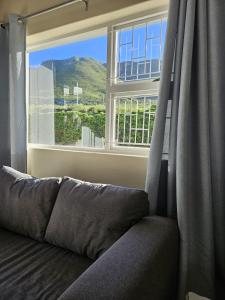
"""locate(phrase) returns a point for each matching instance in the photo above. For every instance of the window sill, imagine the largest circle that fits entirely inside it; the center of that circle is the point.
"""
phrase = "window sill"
(122, 151)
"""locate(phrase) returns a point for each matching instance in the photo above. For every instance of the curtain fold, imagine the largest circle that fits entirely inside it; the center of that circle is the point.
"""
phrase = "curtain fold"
(196, 159)
(5, 156)
(157, 144)
(13, 94)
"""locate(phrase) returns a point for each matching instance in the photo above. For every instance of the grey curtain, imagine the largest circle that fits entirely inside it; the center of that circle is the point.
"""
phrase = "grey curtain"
(196, 160)
(13, 94)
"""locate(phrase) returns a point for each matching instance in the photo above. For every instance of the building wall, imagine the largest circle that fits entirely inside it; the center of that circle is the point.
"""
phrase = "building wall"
(41, 125)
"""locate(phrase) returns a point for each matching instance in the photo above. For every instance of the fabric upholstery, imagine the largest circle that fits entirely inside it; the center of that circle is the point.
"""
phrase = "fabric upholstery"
(30, 270)
(88, 218)
(26, 202)
(141, 265)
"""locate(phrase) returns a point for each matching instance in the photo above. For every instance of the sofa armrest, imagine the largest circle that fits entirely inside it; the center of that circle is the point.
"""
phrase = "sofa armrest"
(141, 265)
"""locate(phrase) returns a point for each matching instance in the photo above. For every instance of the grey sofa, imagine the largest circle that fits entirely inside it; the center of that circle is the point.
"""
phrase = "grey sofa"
(67, 239)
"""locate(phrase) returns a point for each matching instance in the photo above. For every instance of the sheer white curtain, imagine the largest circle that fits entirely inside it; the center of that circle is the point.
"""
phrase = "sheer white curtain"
(13, 94)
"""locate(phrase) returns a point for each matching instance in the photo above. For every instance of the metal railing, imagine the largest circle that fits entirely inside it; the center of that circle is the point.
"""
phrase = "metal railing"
(140, 51)
(134, 122)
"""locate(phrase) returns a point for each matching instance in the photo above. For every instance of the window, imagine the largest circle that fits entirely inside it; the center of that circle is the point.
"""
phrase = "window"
(139, 50)
(67, 94)
(98, 92)
(134, 120)
(135, 74)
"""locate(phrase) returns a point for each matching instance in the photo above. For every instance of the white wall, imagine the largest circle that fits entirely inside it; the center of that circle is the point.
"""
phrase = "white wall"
(95, 167)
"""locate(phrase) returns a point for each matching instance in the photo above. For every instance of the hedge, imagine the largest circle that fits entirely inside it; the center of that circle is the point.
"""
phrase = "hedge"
(69, 122)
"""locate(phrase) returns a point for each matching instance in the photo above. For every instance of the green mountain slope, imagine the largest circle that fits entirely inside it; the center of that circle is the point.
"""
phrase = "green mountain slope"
(89, 73)
(91, 76)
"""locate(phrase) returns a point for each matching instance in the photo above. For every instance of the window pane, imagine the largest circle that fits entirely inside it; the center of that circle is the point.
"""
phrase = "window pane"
(67, 94)
(140, 51)
(134, 120)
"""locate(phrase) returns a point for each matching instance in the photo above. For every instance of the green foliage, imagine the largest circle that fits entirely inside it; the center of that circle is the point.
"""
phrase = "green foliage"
(69, 122)
(94, 121)
(134, 120)
(90, 112)
(67, 128)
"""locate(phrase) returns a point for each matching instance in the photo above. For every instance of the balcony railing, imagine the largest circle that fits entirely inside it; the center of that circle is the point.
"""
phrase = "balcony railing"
(134, 120)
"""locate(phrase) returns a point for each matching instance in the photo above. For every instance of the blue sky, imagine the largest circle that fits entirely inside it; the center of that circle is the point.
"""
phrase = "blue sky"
(95, 48)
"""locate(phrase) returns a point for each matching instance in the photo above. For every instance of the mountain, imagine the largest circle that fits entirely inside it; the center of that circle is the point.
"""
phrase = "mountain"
(87, 72)
(91, 76)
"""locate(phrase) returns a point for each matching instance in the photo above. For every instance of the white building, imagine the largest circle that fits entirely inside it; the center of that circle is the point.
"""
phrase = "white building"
(66, 90)
(42, 128)
(77, 90)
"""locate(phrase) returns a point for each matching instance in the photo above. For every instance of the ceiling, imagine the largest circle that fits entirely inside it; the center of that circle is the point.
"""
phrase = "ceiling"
(24, 7)
(71, 14)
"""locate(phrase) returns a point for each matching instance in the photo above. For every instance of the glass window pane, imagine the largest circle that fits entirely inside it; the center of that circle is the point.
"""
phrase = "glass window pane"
(154, 29)
(135, 117)
(67, 94)
(139, 42)
(140, 50)
(125, 36)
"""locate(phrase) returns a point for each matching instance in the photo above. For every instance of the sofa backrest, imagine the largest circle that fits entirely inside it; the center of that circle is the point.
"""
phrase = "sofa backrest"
(88, 218)
(84, 217)
(26, 202)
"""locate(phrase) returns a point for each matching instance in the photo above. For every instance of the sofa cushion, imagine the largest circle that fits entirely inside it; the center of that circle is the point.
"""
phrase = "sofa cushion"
(88, 218)
(30, 270)
(26, 202)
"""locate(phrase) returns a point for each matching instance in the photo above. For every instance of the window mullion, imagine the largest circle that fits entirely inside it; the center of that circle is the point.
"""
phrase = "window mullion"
(108, 103)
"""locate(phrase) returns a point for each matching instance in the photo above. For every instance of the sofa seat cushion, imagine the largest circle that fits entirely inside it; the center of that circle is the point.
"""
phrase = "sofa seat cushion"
(26, 202)
(88, 217)
(30, 270)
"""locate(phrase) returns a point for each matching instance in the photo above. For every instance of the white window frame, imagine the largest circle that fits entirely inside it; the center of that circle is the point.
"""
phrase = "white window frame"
(133, 88)
(113, 89)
